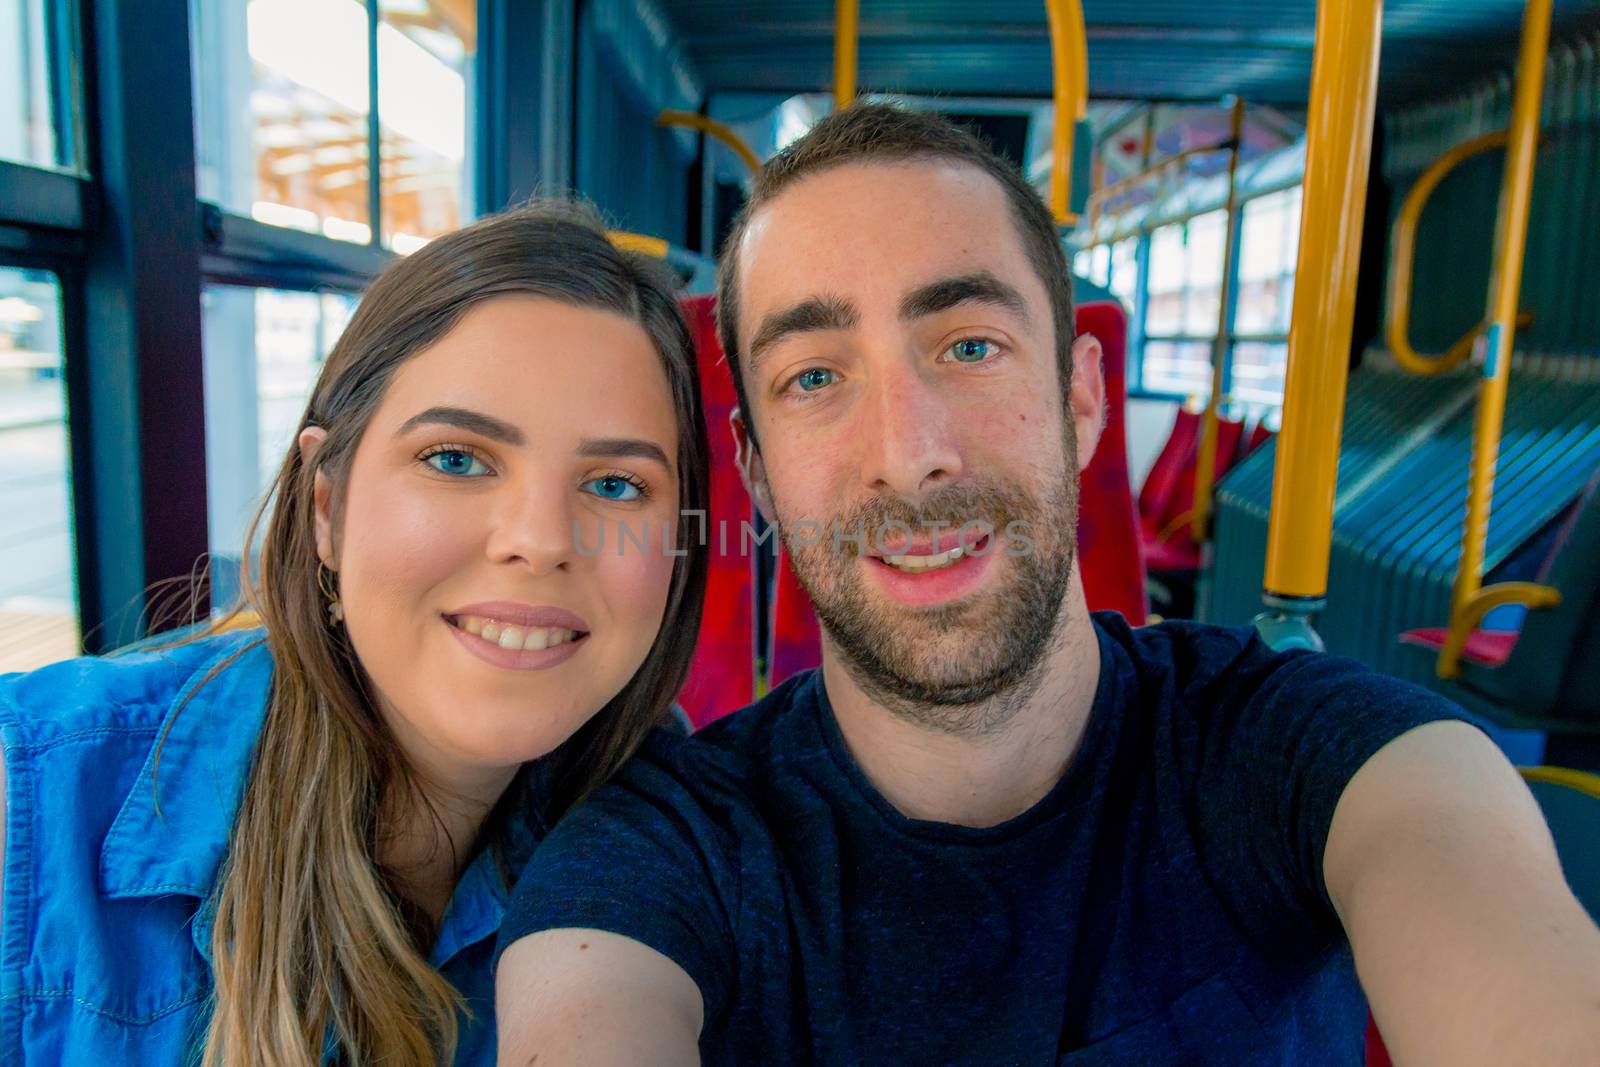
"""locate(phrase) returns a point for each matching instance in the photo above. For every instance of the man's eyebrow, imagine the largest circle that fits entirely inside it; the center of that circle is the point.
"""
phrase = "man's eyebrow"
(623, 448)
(809, 316)
(981, 287)
(472, 421)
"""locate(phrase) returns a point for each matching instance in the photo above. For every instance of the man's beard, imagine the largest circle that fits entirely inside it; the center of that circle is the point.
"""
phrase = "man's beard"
(969, 666)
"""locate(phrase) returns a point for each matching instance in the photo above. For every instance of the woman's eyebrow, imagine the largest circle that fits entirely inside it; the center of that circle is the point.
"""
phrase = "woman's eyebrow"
(462, 418)
(623, 448)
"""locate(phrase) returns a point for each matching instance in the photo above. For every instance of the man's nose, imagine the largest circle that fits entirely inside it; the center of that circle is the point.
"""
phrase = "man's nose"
(909, 436)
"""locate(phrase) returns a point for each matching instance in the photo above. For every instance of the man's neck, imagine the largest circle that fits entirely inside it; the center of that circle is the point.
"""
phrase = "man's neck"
(976, 779)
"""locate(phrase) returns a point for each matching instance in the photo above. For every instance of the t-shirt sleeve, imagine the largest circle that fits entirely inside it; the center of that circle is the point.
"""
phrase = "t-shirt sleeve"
(645, 858)
(1277, 746)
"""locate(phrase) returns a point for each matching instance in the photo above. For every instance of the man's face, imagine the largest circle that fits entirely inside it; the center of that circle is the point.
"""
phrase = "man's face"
(900, 366)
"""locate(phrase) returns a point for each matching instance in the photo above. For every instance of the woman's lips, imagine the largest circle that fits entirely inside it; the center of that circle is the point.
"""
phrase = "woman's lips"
(518, 636)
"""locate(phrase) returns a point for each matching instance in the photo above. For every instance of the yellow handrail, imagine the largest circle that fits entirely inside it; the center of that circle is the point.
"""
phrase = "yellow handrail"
(846, 26)
(644, 244)
(1069, 65)
(1529, 594)
(1344, 74)
(1505, 284)
(1582, 781)
(712, 128)
(1205, 471)
(1402, 271)
(1100, 195)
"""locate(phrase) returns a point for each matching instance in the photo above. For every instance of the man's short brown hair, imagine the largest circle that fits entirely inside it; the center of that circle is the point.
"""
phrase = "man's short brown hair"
(881, 133)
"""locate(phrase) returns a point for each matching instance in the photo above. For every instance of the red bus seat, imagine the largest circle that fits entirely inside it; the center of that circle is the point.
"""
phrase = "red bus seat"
(1176, 456)
(1168, 544)
(722, 673)
(1259, 435)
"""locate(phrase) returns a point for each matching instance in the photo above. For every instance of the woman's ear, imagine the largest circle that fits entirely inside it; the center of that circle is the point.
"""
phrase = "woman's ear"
(311, 439)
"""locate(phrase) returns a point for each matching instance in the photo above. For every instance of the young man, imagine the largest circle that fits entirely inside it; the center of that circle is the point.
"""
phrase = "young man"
(993, 829)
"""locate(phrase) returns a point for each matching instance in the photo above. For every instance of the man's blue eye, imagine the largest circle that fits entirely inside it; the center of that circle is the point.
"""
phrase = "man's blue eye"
(456, 462)
(815, 378)
(613, 488)
(971, 350)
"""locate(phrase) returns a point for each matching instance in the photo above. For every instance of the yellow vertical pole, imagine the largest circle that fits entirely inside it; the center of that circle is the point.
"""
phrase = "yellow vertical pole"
(1344, 76)
(1069, 67)
(1205, 472)
(846, 14)
(1505, 288)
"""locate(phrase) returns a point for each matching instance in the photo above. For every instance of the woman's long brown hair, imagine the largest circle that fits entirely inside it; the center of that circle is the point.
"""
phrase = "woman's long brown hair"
(311, 937)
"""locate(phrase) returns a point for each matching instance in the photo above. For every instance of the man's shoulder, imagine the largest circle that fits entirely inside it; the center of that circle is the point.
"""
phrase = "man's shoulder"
(1184, 655)
(748, 735)
(721, 760)
(1211, 668)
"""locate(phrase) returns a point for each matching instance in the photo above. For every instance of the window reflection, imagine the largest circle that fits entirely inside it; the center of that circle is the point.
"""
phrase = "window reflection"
(28, 132)
(263, 351)
(38, 563)
(283, 113)
(425, 57)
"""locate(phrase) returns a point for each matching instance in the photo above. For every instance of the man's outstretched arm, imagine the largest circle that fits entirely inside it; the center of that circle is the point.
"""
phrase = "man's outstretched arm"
(1468, 942)
(588, 998)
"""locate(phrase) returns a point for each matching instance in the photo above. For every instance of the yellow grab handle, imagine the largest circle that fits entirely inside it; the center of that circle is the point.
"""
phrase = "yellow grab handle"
(846, 27)
(712, 128)
(1464, 621)
(654, 247)
(1505, 286)
(1344, 77)
(1582, 781)
(1402, 271)
(1069, 65)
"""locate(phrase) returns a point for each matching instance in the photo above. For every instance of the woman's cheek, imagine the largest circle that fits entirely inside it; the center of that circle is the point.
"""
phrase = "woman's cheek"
(640, 578)
(401, 543)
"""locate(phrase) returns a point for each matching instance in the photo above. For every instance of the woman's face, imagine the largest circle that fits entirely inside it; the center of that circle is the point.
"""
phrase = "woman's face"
(465, 537)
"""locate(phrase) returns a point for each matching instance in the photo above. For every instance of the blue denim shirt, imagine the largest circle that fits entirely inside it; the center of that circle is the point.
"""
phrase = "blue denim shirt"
(105, 933)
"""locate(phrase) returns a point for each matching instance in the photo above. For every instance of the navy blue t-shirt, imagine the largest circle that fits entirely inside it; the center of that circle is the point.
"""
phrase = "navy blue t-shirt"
(1164, 903)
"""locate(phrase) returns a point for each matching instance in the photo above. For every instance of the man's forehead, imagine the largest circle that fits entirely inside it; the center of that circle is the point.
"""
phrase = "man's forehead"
(910, 195)
(894, 224)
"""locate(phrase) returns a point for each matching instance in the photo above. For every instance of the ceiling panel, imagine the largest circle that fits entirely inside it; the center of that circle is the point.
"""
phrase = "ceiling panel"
(1138, 49)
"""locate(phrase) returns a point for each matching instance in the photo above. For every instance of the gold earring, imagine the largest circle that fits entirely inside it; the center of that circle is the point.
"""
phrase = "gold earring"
(335, 605)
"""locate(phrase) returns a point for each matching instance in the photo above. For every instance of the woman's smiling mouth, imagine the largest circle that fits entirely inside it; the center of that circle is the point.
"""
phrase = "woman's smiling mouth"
(518, 636)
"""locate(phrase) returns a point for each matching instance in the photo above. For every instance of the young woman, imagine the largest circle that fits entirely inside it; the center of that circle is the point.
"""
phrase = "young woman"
(292, 845)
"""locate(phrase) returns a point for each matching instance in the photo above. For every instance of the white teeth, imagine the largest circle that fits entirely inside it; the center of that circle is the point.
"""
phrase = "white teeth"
(548, 638)
(514, 638)
(918, 564)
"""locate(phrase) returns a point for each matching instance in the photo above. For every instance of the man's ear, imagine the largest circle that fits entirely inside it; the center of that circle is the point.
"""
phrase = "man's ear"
(311, 439)
(1086, 400)
(752, 471)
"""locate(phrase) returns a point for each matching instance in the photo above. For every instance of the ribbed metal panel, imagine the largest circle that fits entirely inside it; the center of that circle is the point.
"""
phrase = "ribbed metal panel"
(1402, 490)
(1561, 272)
(1164, 49)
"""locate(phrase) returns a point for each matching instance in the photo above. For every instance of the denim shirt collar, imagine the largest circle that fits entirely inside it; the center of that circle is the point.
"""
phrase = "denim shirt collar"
(173, 841)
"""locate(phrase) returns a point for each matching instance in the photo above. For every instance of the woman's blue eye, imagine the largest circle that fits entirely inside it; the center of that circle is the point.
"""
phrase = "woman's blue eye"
(815, 378)
(456, 462)
(972, 350)
(613, 488)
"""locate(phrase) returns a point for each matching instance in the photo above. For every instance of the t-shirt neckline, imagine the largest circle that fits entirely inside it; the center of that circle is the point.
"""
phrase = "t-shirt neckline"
(1074, 780)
